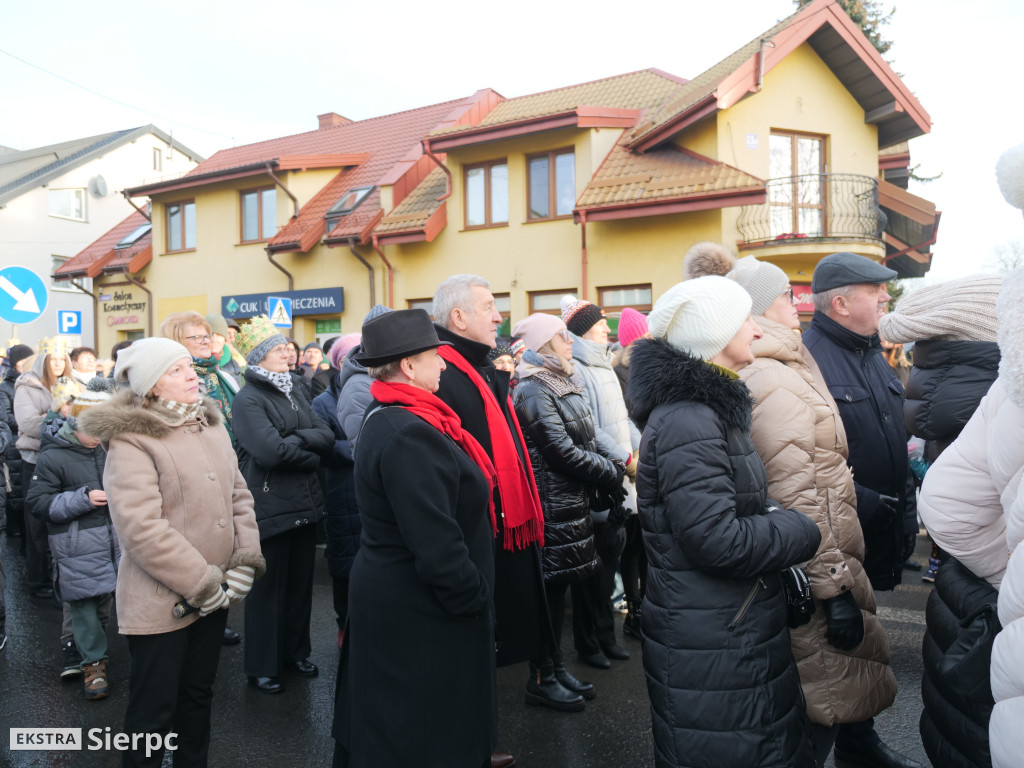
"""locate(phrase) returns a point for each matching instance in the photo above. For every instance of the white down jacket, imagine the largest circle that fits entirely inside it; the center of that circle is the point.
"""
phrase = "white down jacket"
(973, 507)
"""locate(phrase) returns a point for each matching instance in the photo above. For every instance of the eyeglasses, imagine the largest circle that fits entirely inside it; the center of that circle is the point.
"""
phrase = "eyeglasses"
(789, 295)
(199, 339)
(566, 336)
(281, 349)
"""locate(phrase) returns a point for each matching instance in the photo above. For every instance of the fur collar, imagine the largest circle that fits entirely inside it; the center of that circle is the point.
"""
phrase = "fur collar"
(127, 413)
(661, 374)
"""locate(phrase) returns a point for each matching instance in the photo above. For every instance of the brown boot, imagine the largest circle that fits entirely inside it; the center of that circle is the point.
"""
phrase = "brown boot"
(95, 686)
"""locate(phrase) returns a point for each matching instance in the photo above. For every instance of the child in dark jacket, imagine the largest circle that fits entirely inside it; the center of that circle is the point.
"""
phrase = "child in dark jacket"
(67, 491)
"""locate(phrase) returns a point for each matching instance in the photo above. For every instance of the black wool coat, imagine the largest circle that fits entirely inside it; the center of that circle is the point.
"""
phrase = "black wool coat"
(947, 382)
(870, 400)
(520, 606)
(338, 481)
(280, 441)
(417, 684)
(954, 729)
(559, 432)
(12, 456)
(723, 684)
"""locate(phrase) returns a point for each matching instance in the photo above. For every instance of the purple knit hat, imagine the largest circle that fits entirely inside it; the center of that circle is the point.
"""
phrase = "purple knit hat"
(632, 325)
(342, 347)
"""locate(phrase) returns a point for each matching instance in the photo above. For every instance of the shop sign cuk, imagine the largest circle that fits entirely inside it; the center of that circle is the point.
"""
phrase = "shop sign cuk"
(316, 301)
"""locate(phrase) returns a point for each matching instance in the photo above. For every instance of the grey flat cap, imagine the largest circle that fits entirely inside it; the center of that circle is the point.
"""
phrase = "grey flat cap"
(839, 269)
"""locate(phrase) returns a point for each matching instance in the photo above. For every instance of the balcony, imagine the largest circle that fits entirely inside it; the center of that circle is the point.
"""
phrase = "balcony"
(828, 207)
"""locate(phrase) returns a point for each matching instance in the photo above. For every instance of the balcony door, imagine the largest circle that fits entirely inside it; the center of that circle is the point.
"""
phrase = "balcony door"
(796, 187)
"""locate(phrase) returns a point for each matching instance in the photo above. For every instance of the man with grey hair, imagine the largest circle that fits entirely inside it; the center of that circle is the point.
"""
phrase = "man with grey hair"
(465, 315)
(849, 299)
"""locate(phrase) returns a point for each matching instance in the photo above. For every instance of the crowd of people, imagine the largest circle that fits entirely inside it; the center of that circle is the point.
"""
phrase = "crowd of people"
(747, 481)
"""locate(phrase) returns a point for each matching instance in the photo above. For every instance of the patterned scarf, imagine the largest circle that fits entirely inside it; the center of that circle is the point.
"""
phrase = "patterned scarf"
(187, 410)
(282, 381)
(221, 394)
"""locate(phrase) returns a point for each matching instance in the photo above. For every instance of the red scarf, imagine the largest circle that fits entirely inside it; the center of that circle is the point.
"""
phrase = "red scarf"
(441, 417)
(521, 512)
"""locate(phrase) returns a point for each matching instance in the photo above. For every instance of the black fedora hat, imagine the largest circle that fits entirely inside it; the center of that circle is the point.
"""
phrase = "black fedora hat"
(394, 335)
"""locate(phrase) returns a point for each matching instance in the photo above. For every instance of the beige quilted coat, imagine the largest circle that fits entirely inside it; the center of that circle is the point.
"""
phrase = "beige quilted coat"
(799, 435)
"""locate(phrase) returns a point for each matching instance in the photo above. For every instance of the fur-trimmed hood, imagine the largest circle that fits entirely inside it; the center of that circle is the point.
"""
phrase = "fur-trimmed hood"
(661, 374)
(1010, 307)
(127, 413)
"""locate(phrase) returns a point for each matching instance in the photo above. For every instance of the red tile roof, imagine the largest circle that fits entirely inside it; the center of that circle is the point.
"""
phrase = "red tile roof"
(101, 255)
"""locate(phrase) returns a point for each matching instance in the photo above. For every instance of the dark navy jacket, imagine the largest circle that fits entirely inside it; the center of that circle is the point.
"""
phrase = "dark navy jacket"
(870, 400)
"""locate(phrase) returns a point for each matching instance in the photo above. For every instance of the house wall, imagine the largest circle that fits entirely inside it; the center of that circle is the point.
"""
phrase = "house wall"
(29, 236)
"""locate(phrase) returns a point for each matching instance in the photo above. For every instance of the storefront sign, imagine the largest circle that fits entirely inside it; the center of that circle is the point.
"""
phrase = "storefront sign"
(328, 326)
(802, 298)
(317, 301)
(122, 308)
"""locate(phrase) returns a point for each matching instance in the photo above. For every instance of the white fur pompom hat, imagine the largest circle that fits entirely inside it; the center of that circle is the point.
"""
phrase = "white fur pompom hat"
(1011, 334)
(1010, 175)
(700, 316)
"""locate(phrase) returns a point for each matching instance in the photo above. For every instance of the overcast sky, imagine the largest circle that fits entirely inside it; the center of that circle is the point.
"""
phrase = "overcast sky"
(219, 74)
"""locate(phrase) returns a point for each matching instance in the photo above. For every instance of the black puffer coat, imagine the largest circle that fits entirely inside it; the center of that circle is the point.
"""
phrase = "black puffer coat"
(721, 677)
(12, 456)
(81, 536)
(339, 486)
(280, 441)
(559, 433)
(947, 382)
(954, 730)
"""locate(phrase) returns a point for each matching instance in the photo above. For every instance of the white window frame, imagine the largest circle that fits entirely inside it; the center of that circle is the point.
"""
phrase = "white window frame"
(70, 194)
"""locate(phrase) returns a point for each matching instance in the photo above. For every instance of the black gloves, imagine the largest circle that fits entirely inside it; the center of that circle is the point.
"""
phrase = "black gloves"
(845, 622)
(887, 513)
(909, 544)
(617, 516)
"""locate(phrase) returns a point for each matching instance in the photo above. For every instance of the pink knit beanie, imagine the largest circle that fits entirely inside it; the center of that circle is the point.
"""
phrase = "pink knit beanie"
(632, 325)
(538, 329)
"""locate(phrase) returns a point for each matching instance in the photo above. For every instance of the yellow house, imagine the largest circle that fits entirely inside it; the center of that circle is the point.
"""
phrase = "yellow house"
(792, 147)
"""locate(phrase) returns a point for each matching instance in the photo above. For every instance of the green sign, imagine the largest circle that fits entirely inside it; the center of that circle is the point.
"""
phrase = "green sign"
(328, 326)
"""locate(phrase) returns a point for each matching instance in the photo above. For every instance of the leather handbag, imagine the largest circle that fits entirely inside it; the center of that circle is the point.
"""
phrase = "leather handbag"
(965, 664)
(799, 601)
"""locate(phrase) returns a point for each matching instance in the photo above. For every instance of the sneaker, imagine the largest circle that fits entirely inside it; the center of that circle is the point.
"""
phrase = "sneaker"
(72, 661)
(933, 570)
(95, 683)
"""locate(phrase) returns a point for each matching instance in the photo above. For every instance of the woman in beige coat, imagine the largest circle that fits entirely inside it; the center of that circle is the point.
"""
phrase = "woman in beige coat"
(189, 541)
(842, 654)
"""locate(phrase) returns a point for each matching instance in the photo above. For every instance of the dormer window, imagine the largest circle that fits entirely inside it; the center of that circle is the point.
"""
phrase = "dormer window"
(348, 203)
(133, 237)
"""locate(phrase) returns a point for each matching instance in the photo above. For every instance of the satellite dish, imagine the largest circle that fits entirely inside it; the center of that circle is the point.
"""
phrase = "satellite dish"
(98, 186)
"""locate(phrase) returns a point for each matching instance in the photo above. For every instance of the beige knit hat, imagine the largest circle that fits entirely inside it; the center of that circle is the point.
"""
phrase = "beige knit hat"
(700, 316)
(538, 329)
(956, 310)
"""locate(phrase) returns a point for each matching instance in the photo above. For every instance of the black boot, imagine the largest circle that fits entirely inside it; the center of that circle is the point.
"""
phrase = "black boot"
(543, 689)
(631, 624)
(570, 681)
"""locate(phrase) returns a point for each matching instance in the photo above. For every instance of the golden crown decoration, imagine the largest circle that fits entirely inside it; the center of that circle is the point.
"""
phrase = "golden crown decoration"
(53, 345)
(254, 333)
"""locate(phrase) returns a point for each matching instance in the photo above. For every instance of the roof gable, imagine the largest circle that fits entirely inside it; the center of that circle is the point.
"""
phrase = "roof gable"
(21, 171)
(836, 39)
(102, 254)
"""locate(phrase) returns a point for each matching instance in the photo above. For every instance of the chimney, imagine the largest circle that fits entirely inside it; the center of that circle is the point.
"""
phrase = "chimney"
(331, 120)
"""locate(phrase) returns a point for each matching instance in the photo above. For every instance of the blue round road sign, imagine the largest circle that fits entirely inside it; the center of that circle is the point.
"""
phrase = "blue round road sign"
(23, 295)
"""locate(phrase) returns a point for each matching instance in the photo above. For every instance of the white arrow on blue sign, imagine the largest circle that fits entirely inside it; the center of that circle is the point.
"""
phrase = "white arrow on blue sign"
(23, 295)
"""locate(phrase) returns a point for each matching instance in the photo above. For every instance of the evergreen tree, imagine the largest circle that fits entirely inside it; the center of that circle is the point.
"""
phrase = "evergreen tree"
(869, 15)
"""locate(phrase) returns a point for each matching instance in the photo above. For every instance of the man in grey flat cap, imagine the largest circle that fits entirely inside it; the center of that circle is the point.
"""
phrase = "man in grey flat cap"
(849, 299)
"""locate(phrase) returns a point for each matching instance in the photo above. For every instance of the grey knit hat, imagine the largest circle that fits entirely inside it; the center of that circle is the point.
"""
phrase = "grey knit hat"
(956, 310)
(143, 363)
(764, 281)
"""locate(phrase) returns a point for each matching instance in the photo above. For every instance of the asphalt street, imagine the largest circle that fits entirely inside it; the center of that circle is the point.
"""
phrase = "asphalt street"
(293, 729)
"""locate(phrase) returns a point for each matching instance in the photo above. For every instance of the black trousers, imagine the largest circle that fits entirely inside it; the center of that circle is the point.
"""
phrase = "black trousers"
(278, 609)
(171, 690)
(633, 562)
(37, 544)
(593, 625)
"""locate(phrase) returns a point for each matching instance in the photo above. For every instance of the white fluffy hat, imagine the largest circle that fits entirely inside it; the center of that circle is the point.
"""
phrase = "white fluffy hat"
(700, 316)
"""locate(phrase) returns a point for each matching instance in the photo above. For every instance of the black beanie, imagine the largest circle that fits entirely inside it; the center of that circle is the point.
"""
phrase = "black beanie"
(17, 353)
(583, 318)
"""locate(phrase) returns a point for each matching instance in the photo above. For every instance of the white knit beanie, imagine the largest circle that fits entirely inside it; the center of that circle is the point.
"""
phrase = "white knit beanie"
(143, 363)
(956, 310)
(764, 281)
(700, 316)
(538, 329)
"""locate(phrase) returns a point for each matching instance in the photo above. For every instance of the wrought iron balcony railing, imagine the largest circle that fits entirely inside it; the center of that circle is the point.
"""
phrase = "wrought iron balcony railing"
(815, 205)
